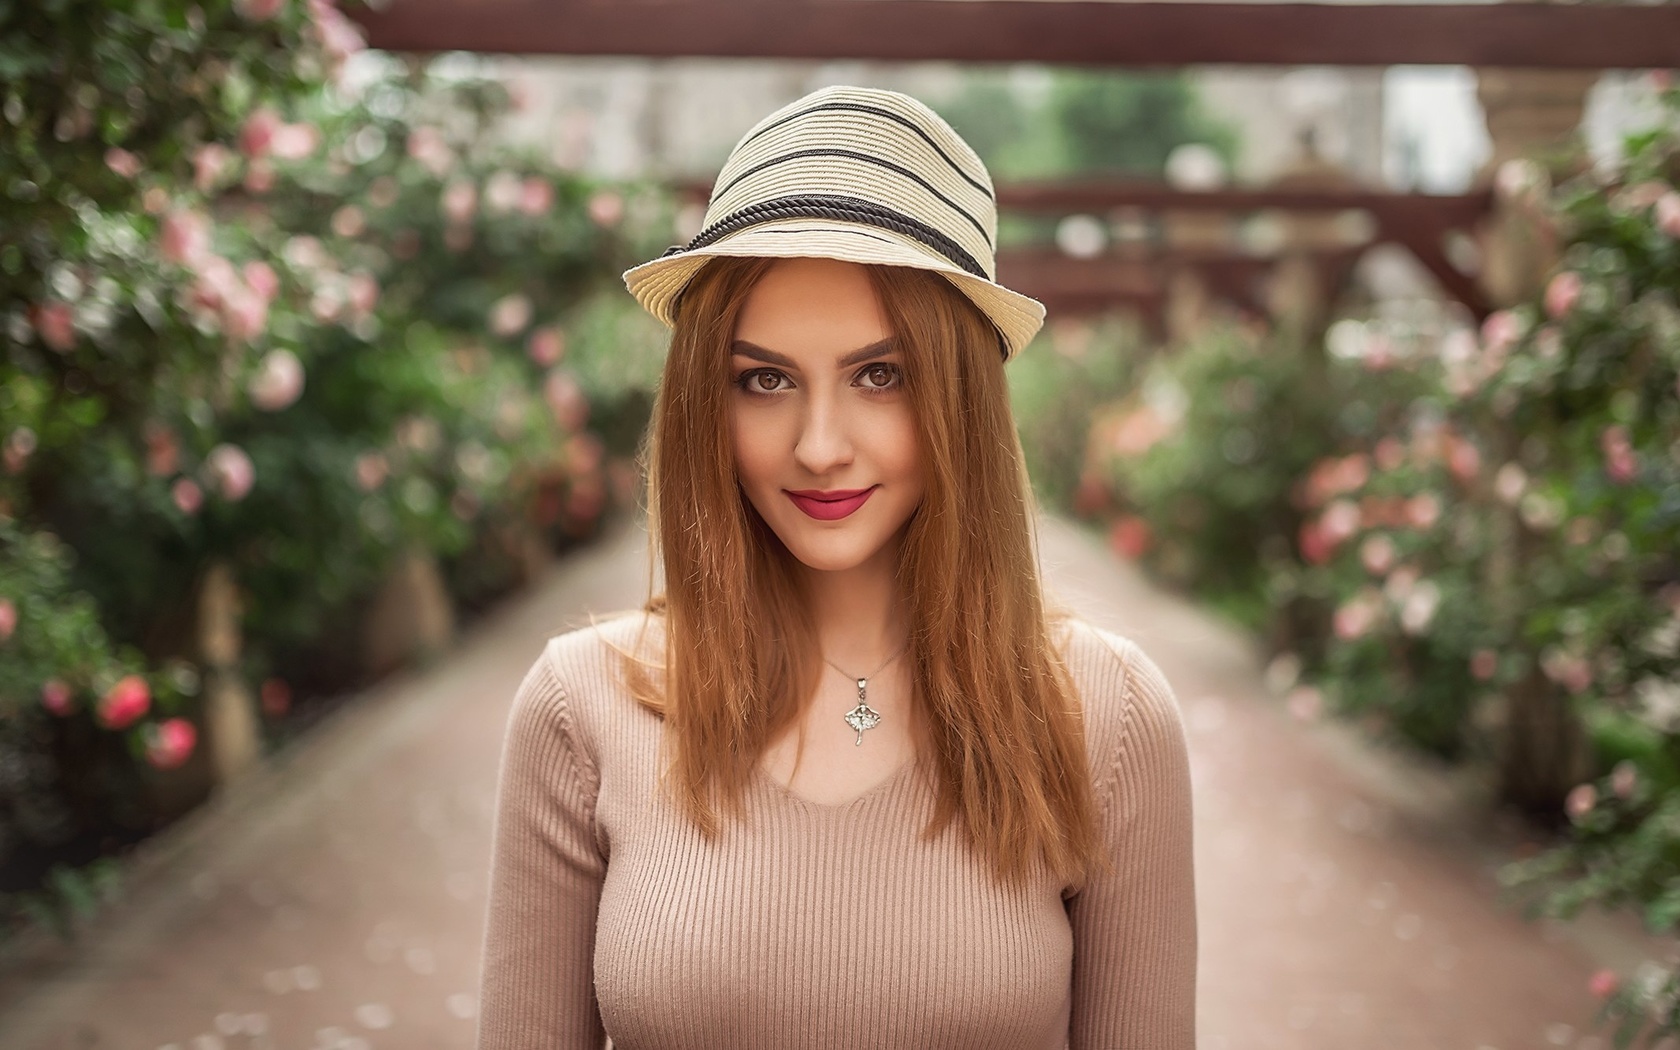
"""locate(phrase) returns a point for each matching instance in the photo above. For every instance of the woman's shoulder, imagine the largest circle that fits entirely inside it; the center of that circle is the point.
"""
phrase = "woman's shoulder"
(587, 648)
(578, 683)
(1123, 692)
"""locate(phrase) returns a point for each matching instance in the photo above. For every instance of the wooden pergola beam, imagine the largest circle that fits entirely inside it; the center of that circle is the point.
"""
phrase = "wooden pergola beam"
(1541, 35)
(1104, 195)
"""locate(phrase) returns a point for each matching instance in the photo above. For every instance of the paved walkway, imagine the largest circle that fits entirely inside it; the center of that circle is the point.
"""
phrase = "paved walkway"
(336, 900)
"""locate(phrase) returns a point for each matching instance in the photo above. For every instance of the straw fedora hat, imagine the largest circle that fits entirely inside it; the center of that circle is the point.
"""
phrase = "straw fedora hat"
(859, 174)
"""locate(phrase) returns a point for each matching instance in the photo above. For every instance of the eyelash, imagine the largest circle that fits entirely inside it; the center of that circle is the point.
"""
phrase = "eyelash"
(742, 381)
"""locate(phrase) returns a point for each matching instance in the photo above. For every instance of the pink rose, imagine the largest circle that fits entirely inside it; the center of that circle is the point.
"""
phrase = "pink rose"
(258, 10)
(1377, 554)
(338, 36)
(1316, 547)
(546, 345)
(510, 314)
(460, 201)
(259, 176)
(362, 290)
(122, 162)
(1423, 510)
(231, 471)
(348, 221)
(187, 495)
(536, 196)
(585, 453)
(163, 450)
(216, 285)
(566, 401)
(1580, 801)
(8, 618)
(20, 445)
(1668, 214)
(124, 705)
(184, 237)
(1339, 521)
(1619, 461)
(1353, 619)
(1390, 453)
(427, 146)
(501, 191)
(209, 161)
(256, 137)
(605, 208)
(278, 382)
(1569, 670)
(1499, 331)
(276, 697)
(1624, 779)
(56, 697)
(56, 323)
(371, 470)
(170, 743)
(1603, 984)
(244, 314)
(294, 141)
(1464, 460)
(1562, 294)
(261, 278)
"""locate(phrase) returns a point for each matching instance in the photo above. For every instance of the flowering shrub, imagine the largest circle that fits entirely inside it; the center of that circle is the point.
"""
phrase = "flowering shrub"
(1594, 366)
(1203, 464)
(273, 305)
(78, 702)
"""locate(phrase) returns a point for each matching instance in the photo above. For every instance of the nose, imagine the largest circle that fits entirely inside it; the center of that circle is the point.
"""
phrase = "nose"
(824, 441)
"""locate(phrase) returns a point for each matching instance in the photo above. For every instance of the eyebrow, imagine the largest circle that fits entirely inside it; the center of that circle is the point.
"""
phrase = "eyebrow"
(759, 353)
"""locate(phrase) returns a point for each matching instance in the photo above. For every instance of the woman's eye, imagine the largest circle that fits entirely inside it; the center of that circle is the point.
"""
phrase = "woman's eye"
(748, 381)
(881, 377)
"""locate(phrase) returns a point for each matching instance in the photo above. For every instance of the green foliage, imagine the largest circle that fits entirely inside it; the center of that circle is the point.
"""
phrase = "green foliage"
(1056, 386)
(1042, 124)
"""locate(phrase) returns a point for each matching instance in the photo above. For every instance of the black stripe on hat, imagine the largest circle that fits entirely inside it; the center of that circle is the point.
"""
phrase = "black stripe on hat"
(867, 158)
(890, 115)
(834, 206)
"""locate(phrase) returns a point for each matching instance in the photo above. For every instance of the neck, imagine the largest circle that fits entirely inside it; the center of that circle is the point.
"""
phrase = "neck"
(860, 617)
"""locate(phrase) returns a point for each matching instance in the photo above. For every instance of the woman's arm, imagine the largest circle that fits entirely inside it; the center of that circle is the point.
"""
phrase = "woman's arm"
(538, 990)
(1134, 949)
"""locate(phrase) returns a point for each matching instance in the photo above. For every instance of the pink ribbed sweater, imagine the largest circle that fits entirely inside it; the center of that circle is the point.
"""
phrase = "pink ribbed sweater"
(824, 926)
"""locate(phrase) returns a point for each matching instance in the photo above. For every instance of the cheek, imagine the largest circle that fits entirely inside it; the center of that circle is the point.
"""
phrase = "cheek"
(755, 447)
(900, 449)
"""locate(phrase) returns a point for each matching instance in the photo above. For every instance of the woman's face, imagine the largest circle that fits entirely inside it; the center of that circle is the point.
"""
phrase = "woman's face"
(818, 408)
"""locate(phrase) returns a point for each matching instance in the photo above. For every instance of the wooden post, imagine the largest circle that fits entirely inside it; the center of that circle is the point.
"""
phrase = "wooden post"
(233, 743)
(411, 616)
(1540, 745)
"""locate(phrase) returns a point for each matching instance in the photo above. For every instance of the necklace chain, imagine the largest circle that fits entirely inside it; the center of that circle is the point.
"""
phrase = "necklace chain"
(863, 716)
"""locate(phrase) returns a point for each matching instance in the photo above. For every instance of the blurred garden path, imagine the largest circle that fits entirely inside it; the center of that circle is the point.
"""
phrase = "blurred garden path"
(336, 900)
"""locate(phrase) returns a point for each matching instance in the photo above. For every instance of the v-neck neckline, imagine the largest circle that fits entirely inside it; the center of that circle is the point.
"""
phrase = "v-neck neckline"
(891, 783)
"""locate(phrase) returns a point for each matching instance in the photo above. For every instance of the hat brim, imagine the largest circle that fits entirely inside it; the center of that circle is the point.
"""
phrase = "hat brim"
(656, 284)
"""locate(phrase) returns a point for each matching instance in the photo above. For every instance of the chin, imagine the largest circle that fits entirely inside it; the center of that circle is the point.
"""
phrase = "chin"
(833, 554)
(835, 547)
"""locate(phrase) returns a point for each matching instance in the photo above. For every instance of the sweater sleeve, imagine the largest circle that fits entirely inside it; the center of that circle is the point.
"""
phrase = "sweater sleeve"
(1134, 929)
(537, 991)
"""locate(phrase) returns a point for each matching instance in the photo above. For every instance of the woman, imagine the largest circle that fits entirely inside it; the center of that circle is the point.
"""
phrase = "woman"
(846, 782)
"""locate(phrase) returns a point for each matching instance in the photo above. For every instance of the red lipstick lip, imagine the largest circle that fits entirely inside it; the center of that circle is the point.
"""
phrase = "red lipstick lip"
(830, 496)
(830, 509)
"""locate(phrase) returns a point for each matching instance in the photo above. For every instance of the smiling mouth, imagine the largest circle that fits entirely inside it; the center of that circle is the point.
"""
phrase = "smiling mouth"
(832, 506)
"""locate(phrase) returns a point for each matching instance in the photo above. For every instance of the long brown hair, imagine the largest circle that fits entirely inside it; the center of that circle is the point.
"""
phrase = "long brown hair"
(1003, 725)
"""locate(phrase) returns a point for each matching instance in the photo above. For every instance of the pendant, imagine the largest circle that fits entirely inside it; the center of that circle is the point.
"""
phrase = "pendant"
(862, 716)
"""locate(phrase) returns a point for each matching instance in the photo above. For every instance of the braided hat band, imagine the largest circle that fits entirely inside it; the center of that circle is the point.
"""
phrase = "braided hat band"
(858, 174)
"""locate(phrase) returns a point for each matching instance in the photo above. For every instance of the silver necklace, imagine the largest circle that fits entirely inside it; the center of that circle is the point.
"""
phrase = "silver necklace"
(863, 716)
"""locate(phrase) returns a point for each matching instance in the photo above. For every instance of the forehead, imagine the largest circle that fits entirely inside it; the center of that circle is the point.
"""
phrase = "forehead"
(812, 307)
